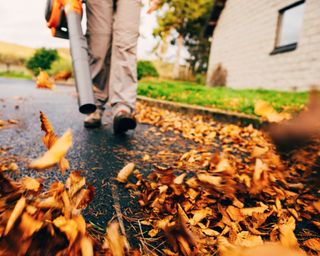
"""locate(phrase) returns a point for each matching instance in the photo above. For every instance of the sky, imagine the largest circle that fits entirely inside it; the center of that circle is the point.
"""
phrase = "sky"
(22, 22)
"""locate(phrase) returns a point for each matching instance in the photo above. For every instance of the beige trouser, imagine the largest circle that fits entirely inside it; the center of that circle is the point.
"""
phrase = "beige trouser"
(112, 34)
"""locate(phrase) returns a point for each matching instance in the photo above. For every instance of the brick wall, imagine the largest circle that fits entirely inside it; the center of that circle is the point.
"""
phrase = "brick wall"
(245, 36)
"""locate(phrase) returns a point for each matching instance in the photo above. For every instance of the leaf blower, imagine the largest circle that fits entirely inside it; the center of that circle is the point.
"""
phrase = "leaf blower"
(64, 19)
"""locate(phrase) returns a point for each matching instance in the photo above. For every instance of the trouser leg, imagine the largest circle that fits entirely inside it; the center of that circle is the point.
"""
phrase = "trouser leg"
(123, 76)
(99, 37)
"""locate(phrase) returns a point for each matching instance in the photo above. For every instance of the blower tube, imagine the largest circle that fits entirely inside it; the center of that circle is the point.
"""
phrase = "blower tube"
(80, 62)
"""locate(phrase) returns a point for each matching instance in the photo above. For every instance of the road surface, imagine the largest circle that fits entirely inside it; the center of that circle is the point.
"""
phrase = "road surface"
(96, 152)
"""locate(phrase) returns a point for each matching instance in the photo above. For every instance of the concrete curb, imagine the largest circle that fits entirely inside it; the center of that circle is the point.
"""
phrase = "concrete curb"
(217, 114)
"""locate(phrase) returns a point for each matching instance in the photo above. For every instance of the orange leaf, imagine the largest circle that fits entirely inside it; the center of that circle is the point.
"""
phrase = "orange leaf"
(30, 184)
(313, 244)
(43, 81)
(18, 209)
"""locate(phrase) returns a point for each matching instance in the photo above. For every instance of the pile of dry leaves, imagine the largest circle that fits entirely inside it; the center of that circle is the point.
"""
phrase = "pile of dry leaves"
(242, 196)
(50, 222)
(233, 195)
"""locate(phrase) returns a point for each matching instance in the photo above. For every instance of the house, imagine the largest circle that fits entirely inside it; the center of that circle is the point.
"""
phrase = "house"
(265, 44)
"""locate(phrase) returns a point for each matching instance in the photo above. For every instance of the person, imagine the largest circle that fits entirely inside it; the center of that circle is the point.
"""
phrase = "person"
(112, 36)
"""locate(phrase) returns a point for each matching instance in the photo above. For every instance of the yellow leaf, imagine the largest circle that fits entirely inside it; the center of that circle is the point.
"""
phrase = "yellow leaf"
(178, 180)
(153, 232)
(29, 225)
(114, 240)
(69, 227)
(146, 158)
(30, 184)
(287, 236)
(199, 215)
(18, 209)
(212, 180)
(55, 153)
(86, 246)
(125, 173)
(249, 211)
(245, 239)
(259, 168)
(264, 109)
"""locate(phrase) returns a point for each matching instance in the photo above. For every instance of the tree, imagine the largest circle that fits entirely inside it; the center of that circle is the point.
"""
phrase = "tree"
(188, 19)
(11, 59)
(42, 59)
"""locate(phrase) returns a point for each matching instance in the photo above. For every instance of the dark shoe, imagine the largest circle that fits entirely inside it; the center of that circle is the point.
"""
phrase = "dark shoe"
(123, 121)
(94, 119)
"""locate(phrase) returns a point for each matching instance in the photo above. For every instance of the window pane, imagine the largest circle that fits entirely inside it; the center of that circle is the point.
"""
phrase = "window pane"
(291, 23)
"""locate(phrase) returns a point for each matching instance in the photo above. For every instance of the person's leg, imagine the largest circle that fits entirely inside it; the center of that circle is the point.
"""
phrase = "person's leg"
(99, 37)
(123, 76)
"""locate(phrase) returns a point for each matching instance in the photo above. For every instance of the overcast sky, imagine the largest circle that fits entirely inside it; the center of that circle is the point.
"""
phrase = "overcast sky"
(22, 22)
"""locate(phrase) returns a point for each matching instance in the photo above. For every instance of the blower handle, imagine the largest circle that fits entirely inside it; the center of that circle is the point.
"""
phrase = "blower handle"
(80, 62)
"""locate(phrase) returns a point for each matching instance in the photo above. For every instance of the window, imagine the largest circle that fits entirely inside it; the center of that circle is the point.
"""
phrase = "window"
(289, 26)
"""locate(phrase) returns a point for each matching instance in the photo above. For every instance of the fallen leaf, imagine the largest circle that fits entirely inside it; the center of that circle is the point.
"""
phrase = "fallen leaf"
(17, 211)
(29, 225)
(43, 81)
(287, 236)
(212, 180)
(313, 244)
(245, 239)
(125, 172)
(264, 109)
(114, 241)
(86, 246)
(30, 183)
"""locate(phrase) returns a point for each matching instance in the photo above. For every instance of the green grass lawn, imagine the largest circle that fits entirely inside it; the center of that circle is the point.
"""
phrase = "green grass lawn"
(220, 97)
(15, 74)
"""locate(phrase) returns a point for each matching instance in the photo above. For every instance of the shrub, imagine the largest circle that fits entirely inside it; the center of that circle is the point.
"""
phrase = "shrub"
(42, 59)
(60, 65)
(145, 69)
(218, 77)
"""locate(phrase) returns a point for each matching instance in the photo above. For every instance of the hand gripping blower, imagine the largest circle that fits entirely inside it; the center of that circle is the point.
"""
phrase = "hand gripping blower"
(64, 19)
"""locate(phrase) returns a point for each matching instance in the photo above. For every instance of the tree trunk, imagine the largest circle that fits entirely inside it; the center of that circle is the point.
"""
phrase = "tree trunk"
(176, 68)
(8, 67)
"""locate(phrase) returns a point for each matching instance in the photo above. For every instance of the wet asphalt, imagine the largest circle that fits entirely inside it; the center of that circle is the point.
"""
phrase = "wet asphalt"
(96, 152)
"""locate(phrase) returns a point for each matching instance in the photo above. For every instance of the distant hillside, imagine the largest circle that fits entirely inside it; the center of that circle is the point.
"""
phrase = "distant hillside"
(15, 49)
(25, 51)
